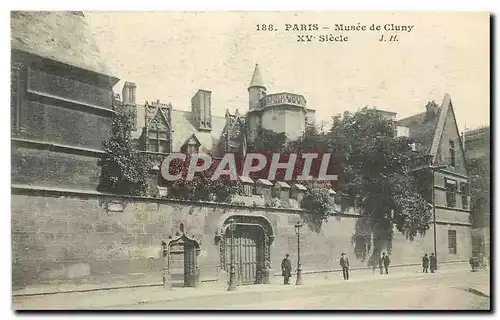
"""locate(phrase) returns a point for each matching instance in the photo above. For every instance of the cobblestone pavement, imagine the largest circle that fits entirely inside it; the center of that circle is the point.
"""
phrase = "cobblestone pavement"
(452, 288)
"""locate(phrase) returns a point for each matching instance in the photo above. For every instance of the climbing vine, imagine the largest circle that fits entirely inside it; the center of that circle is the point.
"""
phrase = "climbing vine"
(123, 169)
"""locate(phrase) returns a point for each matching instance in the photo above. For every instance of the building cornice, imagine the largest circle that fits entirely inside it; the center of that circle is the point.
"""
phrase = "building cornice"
(44, 145)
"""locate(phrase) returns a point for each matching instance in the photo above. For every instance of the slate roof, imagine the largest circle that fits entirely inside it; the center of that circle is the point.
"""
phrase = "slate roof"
(183, 128)
(257, 80)
(61, 35)
(422, 128)
(425, 127)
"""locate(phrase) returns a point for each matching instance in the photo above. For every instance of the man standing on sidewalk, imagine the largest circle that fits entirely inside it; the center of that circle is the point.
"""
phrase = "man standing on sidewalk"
(386, 261)
(286, 269)
(433, 262)
(344, 263)
(425, 263)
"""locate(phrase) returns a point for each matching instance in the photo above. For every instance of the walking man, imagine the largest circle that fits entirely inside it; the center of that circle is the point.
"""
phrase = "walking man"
(425, 263)
(286, 269)
(344, 263)
(386, 261)
(433, 262)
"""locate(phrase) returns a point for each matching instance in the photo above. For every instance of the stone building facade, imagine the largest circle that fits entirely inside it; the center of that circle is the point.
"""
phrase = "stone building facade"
(478, 148)
(438, 144)
(162, 129)
(65, 233)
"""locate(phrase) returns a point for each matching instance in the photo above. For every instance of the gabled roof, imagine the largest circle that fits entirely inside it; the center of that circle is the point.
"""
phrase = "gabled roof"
(445, 106)
(158, 110)
(62, 36)
(183, 128)
(426, 128)
(422, 127)
(193, 139)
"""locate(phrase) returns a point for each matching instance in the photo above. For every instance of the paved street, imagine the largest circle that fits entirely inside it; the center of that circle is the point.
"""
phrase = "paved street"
(431, 291)
(449, 289)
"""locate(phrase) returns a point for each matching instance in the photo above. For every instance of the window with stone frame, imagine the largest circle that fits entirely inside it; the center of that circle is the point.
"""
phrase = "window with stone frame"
(452, 241)
(452, 153)
(464, 189)
(191, 147)
(451, 193)
(158, 141)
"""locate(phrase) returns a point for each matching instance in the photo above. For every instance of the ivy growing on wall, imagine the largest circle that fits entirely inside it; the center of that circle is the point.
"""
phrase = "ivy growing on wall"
(318, 204)
(201, 187)
(123, 169)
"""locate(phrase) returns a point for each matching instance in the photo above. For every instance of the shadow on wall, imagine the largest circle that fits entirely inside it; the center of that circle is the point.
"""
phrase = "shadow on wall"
(362, 239)
(370, 241)
(312, 221)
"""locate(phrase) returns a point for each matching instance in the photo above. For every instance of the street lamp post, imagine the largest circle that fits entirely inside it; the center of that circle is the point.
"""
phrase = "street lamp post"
(433, 170)
(232, 273)
(299, 271)
(166, 266)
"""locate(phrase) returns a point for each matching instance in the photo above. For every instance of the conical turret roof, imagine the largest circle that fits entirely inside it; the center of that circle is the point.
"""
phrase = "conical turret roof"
(256, 78)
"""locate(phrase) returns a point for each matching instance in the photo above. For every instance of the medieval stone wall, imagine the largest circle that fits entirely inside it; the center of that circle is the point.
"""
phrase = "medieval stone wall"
(78, 237)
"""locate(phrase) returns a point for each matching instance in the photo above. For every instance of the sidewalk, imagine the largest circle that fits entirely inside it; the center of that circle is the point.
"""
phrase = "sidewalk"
(132, 296)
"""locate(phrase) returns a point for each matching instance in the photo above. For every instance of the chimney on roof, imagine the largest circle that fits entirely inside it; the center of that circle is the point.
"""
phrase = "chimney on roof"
(128, 93)
(431, 108)
(201, 108)
(128, 100)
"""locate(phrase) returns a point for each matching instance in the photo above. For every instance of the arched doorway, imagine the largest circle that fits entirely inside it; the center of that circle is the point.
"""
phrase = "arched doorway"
(182, 260)
(252, 240)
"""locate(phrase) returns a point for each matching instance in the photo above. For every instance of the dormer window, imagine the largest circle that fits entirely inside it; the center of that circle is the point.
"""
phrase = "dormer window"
(192, 148)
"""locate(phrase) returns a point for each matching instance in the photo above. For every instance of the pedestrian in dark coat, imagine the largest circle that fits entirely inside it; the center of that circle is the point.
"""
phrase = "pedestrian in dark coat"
(286, 269)
(433, 262)
(425, 263)
(386, 261)
(344, 263)
(474, 263)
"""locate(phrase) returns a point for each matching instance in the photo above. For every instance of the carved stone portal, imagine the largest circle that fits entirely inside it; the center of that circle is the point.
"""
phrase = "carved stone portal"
(252, 240)
(181, 260)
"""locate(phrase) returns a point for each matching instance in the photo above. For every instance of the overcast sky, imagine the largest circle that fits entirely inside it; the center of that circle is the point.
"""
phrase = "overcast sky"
(171, 55)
